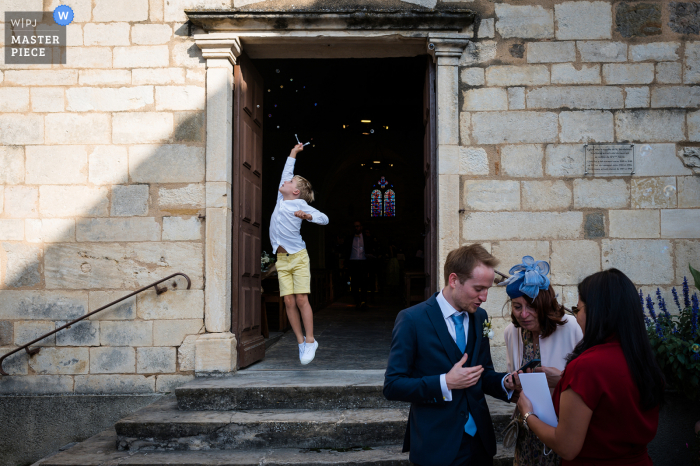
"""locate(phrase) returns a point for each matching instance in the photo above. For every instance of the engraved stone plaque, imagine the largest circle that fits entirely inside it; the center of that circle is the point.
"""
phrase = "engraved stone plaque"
(609, 159)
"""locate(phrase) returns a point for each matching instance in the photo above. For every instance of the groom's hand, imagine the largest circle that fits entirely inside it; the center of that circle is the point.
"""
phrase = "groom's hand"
(463, 377)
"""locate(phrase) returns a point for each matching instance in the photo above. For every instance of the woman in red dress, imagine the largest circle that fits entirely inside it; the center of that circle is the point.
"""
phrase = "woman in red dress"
(609, 395)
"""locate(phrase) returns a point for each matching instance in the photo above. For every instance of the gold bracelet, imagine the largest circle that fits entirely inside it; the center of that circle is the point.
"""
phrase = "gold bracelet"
(528, 414)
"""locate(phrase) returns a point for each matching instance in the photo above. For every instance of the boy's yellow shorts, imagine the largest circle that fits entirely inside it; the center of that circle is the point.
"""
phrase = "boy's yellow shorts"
(294, 273)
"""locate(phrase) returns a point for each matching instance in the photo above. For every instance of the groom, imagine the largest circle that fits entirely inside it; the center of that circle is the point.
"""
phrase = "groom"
(440, 362)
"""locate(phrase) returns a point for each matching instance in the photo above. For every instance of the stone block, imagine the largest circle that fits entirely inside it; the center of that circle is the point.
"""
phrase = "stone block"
(187, 55)
(189, 127)
(48, 99)
(650, 125)
(572, 261)
(568, 73)
(516, 98)
(653, 192)
(528, 22)
(215, 353)
(88, 57)
(82, 9)
(17, 364)
(635, 256)
(494, 226)
(173, 332)
(105, 77)
(21, 201)
(634, 223)
(166, 163)
(42, 305)
(60, 361)
(472, 76)
(124, 310)
(110, 384)
(16, 129)
(586, 126)
(155, 10)
(11, 164)
(129, 200)
(118, 229)
(624, 73)
(151, 34)
(185, 353)
(126, 333)
(41, 77)
(692, 63)
(182, 229)
(155, 360)
(583, 20)
(56, 165)
(73, 201)
(83, 99)
(23, 265)
(121, 266)
(680, 223)
(594, 226)
(585, 97)
(191, 195)
(522, 160)
(602, 51)
(514, 127)
(14, 99)
(668, 73)
(546, 195)
(173, 305)
(73, 128)
(106, 34)
(473, 161)
(476, 53)
(6, 333)
(31, 330)
(465, 121)
(83, 333)
(638, 19)
(108, 165)
(196, 76)
(493, 98)
(688, 191)
(168, 383)
(675, 97)
(685, 249)
(50, 230)
(141, 127)
(36, 384)
(142, 56)
(158, 76)
(637, 97)
(601, 193)
(684, 17)
(655, 51)
(658, 160)
(517, 75)
(551, 52)
(127, 10)
(491, 195)
(218, 194)
(174, 10)
(11, 229)
(511, 253)
(180, 98)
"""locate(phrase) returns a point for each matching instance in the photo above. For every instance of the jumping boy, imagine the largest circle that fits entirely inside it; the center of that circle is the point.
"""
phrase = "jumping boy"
(293, 267)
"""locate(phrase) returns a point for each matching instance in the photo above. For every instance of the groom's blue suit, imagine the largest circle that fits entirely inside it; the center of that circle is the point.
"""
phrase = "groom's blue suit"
(421, 350)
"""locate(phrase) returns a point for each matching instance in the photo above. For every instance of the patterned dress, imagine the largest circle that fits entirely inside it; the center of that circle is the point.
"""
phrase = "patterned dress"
(529, 450)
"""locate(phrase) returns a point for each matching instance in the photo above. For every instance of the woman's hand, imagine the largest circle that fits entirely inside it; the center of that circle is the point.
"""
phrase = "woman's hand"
(512, 382)
(553, 375)
(524, 404)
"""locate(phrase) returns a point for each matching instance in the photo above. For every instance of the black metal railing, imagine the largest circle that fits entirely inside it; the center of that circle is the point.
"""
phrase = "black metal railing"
(159, 290)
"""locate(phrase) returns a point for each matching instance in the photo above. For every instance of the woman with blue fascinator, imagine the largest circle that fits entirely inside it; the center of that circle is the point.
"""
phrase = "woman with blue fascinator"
(540, 329)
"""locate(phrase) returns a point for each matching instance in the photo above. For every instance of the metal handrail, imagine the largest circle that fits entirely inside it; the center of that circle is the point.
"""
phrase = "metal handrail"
(34, 351)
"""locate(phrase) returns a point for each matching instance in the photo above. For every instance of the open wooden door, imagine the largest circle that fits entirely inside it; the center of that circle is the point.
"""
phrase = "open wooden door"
(429, 170)
(247, 207)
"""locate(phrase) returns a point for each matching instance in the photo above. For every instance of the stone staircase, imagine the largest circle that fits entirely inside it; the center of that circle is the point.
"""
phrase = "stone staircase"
(264, 417)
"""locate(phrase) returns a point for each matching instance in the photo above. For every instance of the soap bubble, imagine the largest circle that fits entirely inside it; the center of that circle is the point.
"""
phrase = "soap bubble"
(272, 158)
(278, 127)
(277, 70)
(315, 105)
(371, 131)
(291, 79)
(646, 150)
(281, 87)
(270, 115)
(669, 190)
(275, 105)
(269, 90)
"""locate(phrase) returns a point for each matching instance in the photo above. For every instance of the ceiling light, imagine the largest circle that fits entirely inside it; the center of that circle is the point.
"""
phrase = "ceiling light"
(366, 134)
(377, 161)
(365, 121)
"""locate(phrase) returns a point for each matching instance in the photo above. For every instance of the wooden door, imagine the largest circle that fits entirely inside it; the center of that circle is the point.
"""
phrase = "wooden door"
(429, 171)
(247, 205)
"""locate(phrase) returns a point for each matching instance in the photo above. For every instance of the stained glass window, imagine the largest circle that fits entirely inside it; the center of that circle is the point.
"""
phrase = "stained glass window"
(389, 203)
(382, 182)
(376, 206)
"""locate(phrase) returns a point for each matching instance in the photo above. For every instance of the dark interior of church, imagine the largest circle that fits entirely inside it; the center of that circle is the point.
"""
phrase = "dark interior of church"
(363, 119)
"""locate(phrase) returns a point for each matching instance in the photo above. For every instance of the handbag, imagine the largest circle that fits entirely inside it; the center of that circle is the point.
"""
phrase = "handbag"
(512, 430)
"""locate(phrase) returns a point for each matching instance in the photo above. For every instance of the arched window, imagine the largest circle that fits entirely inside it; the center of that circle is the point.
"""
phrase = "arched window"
(376, 203)
(383, 204)
(389, 203)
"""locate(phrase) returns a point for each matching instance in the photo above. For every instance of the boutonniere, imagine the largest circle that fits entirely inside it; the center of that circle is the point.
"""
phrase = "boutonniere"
(488, 331)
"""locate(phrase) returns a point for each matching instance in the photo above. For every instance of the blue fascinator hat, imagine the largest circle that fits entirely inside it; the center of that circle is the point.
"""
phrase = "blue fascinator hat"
(527, 278)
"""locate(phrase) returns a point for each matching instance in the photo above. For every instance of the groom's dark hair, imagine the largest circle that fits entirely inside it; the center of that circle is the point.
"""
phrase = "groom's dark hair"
(462, 261)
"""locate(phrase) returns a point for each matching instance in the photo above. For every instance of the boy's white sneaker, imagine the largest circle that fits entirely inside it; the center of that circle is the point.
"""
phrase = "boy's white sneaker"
(309, 352)
(302, 348)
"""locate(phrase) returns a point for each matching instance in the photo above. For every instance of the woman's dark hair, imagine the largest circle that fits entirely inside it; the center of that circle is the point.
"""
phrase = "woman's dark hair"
(613, 308)
(549, 311)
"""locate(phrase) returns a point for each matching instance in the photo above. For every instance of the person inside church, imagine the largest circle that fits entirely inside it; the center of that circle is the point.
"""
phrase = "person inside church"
(360, 250)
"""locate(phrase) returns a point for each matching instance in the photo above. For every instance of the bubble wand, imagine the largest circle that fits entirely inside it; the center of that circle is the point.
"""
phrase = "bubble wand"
(299, 142)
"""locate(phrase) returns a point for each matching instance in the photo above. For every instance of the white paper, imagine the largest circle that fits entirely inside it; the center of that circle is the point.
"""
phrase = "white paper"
(536, 389)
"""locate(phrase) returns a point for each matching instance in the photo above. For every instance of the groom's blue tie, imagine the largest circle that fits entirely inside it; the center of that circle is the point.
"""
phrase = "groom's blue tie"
(461, 340)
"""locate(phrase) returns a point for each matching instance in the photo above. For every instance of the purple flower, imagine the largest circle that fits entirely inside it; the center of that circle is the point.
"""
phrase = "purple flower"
(694, 316)
(675, 298)
(686, 292)
(650, 307)
(662, 305)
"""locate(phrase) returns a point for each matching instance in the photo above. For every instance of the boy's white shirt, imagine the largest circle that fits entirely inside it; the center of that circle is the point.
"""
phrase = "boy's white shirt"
(284, 226)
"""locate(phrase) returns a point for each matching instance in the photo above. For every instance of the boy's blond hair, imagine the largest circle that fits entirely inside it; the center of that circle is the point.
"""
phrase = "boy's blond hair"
(306, 192)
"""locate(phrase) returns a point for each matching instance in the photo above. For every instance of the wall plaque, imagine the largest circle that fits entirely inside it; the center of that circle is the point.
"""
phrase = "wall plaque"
(609, 159)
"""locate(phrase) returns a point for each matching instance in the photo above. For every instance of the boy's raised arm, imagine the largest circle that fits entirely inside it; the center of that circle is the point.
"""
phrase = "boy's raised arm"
(288, 171)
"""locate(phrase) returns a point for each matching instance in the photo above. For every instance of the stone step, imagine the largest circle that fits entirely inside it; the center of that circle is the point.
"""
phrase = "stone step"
(101, 450)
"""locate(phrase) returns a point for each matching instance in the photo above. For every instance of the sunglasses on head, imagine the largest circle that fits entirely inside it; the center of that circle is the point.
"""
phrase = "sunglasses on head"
(574, 310)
